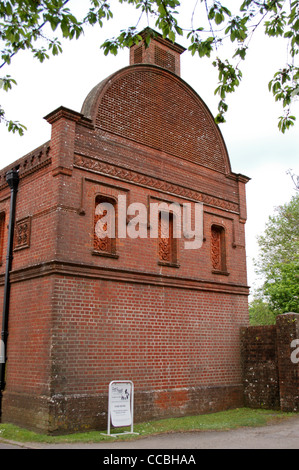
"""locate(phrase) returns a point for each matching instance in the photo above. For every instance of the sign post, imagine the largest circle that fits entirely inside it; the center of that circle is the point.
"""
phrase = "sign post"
(120, 405)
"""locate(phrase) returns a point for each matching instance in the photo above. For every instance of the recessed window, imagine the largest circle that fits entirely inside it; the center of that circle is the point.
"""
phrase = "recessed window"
(104, 240)
(167, 244)
(218, 249)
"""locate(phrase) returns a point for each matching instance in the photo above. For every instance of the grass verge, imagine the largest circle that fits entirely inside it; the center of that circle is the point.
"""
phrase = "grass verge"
(221, 421)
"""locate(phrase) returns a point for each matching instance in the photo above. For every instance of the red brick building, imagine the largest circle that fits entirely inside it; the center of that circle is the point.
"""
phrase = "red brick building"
(84, 311)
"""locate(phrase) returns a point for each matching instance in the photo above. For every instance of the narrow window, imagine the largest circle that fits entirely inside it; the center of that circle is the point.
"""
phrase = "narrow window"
(218, 252)
(167, 243)
(104, 226)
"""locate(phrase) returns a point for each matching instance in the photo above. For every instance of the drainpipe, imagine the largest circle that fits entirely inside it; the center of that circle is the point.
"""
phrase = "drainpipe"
(12, 179)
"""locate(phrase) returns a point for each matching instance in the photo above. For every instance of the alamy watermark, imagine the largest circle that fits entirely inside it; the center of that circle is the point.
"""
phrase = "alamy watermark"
(187, 221)
(295, 353)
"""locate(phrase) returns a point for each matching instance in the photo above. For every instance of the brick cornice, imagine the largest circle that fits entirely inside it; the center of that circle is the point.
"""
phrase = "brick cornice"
(65, 268)
(159, 38)
(29, 163)
(65, 113)
(239, 177)
(97, 166)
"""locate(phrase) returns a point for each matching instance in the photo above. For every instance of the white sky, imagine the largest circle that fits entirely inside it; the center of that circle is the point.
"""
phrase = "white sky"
(255, 146)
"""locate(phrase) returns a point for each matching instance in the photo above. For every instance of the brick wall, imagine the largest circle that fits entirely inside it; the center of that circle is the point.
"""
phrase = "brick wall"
(260, 368)
(181, 353)
(180, 359)
(288, 366)
(270, 376)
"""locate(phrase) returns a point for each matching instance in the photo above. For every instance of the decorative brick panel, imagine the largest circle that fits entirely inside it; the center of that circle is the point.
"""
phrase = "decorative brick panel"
(114, 171)
(22, 233)
(138, 55)
(216, 248)
(166, 238)
(103, 243)
(164, 59)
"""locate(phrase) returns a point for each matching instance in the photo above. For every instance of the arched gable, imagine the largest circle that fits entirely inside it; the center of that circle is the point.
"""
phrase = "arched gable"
(156, 108)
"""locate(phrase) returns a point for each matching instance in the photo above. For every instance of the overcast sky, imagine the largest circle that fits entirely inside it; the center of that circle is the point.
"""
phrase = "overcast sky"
(255, 146)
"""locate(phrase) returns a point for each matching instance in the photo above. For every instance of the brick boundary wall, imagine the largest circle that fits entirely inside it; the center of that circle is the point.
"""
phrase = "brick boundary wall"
(270, 364)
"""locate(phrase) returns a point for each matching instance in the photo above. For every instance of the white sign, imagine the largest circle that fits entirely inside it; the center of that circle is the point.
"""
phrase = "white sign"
(120, 404)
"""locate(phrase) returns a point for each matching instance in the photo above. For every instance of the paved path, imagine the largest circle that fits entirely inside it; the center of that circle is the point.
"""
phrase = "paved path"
(284, 435)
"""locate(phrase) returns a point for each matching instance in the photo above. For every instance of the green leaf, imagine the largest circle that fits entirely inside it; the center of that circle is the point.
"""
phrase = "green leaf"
(285, 122)
(241, 51)
(219, 119)
(219, 18)
(7, 82)
(171, 36)
(179, 30)
(288, 34)
(162, 10)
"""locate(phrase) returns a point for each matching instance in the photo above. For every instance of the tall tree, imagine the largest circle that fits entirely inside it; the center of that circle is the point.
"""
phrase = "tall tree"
(278, 260)
(33, 25)
(260, 312)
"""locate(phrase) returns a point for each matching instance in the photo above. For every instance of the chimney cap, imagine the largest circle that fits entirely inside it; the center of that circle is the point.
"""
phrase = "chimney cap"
(155, 50)
(149, 32)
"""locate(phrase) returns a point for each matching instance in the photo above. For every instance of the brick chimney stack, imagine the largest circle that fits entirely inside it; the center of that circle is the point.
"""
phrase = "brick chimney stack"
(160, 52)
